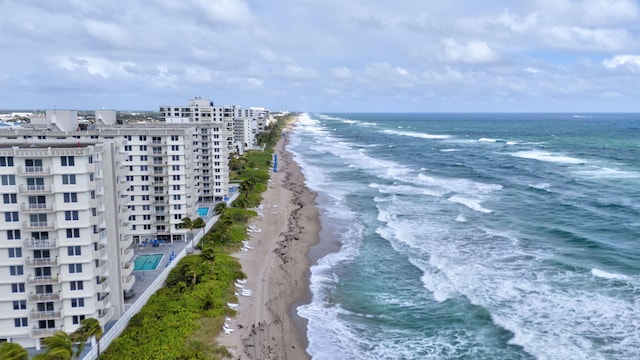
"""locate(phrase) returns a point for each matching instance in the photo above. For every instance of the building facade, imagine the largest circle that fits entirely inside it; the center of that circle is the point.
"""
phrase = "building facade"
(62, 257)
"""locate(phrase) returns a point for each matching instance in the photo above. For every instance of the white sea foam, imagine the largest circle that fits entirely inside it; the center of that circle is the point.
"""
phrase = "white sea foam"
(548, 157)
(461, 218)
(473, 204)
(449, 150)
(541, 186)
(607, 275)
(608, 173)
(490, 140)
(416, 134)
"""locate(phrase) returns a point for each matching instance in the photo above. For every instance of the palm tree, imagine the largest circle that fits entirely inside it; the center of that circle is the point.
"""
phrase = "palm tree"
(220, 208)
(90, 328)
(13, 351)
(187, 223)
(59, 347)
(198, 224)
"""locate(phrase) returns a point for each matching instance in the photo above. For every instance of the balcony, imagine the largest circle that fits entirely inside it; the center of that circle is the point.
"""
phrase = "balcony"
(127, 282)
(101, 253)
(45, 315)
(38, 225)
(100, 237)
(36, 208)
(44, 261)
(34, 244)
(103, 284)
(103, 268)
(103, 301)
(42, 333)
(104, 315)
(33, 170)
(43, 280)
(35, 189)
(127, 254)
(126, 240)
(34, 297)
(160, 202)
(127, 268)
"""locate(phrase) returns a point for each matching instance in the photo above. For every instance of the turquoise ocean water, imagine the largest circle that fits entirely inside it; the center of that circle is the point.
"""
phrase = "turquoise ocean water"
(474, 236)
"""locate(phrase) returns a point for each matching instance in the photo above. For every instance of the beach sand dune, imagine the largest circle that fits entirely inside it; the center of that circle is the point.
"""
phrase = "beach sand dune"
(277, 267)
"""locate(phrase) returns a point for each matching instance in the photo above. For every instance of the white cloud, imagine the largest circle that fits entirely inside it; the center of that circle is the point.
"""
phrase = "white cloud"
(628, 61)
(96, 66)
(609, 12)
(231, 12)
(341, 72)
(473, 52)
(110, 33)
(531, 70)
(298, 73)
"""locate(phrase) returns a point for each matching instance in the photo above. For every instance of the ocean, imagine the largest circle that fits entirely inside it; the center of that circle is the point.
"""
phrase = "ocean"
(474, 236)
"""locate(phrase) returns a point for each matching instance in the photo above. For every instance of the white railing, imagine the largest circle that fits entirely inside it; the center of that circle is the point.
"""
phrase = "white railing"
(122, 323)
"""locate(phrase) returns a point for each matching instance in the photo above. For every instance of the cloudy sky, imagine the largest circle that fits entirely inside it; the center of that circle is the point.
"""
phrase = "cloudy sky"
(322, 55)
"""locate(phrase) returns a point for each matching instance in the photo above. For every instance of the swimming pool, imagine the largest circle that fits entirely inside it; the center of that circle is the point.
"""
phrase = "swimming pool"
(203, 211)
(147, 261)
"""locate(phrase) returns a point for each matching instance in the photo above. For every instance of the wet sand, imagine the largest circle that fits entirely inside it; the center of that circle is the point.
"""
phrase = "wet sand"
(277, 267)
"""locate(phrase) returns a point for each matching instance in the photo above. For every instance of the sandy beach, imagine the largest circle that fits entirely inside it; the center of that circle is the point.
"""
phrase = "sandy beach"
(277, 267)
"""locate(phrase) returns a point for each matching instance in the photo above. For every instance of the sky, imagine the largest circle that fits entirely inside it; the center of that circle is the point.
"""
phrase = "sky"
(322, 55)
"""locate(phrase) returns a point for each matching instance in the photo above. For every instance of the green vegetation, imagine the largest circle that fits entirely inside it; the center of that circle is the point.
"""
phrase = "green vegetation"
(182, 320)
(13, 351)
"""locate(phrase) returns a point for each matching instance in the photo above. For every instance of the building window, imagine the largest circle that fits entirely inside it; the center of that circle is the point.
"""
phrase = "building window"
(175, 147)
(174, 137)
(144, 168)
(69, 179)
(13, 234)
(11, 216)
(77, 319)
(10, 198)
(17, 288)
(143, 137)
(75, 268)
(73, 233)
(19, 304)
(67, 161)
(177, 207)
(21, 322)
(70, 197)
(175, 157)
(6, 161)
(16, 270)
(176, 177)
(74, 251)
(70, 215)
(143, 147)
(76, 285)
(8, 179)
(146, 217)
(176, 187)
(15, 252)
(175, 167)
(176, 197)
(144, 158)
(77, 302)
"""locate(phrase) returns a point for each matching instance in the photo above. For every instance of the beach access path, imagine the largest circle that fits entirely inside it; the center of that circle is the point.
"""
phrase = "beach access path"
(277, 268)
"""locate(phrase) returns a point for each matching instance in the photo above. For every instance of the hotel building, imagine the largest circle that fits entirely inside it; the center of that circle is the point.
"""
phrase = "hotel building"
(76, 202)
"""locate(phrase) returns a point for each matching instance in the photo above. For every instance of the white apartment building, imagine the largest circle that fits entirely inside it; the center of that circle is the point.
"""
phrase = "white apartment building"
(64, 256)
(214, 142)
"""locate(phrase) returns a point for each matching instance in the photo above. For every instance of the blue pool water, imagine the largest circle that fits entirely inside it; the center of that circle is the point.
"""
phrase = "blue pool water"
(147, 261)
(202, 212)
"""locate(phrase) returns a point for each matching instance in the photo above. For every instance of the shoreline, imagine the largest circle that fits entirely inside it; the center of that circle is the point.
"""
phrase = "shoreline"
(277, 267)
